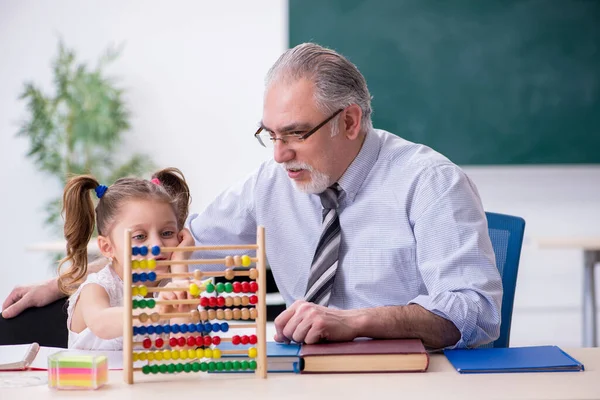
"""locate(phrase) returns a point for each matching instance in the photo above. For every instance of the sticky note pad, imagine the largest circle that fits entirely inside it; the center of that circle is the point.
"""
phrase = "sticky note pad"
(68, 370)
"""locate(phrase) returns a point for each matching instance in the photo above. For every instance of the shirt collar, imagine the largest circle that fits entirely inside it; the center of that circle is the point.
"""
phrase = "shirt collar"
(354, 177)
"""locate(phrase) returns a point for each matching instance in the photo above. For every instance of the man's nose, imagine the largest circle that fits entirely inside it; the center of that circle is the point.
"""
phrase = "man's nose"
(282, 152)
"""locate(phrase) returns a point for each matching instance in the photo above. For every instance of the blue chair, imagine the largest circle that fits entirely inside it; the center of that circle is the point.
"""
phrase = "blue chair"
(506, 233)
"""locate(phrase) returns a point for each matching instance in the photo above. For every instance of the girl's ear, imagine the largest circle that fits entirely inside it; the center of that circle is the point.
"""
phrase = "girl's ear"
(105, 246)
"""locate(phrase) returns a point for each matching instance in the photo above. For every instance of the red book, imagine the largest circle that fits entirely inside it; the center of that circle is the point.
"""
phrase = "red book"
(397, 355)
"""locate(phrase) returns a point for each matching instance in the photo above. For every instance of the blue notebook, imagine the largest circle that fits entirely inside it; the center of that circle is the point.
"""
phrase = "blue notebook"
(281, 357)
(512, 359)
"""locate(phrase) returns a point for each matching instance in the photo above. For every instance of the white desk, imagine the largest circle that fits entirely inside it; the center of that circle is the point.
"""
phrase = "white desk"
(591, 256)
(441, 381)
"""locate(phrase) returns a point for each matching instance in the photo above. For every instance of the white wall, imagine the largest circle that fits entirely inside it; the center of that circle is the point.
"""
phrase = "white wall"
(194, 73)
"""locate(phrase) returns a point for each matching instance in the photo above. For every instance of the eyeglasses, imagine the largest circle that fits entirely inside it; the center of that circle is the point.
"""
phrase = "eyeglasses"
(266, 139)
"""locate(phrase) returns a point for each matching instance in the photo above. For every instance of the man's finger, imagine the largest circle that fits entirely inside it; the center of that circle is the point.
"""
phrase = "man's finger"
(15, 309)
(15, 295)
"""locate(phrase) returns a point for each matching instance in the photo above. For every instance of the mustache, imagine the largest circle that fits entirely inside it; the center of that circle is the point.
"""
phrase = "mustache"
(297, 165)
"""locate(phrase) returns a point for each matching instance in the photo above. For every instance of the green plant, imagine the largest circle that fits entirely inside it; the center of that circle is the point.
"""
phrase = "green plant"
(79, 128)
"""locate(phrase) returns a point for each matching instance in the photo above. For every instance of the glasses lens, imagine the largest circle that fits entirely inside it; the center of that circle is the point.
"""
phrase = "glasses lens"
(265, 139)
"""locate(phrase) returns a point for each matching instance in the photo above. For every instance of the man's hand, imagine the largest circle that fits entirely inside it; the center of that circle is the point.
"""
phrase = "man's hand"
(24, 297)
(309, 323)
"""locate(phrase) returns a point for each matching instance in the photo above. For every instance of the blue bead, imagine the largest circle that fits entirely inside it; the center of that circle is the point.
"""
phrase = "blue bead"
(135, 251)
(224, 326)
(152, 276)
(191, 327)
(200, 327)
(155, 250)
(216, 327)
(143, 250)
(143, 277)
(159, 329)
(151, 330)
(135, 330)
(167, 329)
(208, 327)
(175, 328)
(183, 328)
(134, 278)
(142, 330)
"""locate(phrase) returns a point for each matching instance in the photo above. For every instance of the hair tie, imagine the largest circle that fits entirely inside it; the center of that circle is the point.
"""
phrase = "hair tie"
(100, 190)
(155, 181)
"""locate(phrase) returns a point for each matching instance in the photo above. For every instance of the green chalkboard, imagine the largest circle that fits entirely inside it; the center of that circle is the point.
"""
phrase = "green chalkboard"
(482, 81)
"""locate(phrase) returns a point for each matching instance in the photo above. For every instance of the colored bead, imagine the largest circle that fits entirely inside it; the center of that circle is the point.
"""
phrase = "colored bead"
(245, 339)
(166, 354)
(158, 329)
(158, 356)
(173, 342)
(134, 304)
(174, 354)
(155, 250)
(207, 327)
(150, 356)
(229, 274)
(143, 290)
(212, 302)
(198, 274)
(192, 327)
(252, 352)
(204, 367)
(181, 341)
(220, 366)
(221, 300)
(228, 365)
(216, 340)
(220, 287)
(199, 327)
(235, 339)
(135, 278)
(210, 288)
(229, 261)
(135, 330)
(183, 328)
(246, 261)
(207, 340)
(237, 365)
(199, 353)
(212, 366)
(228, 314)
(191, 341)
(237, 287)
(220, 315)
(146, 369)
(151, 264)
(204, 302)
(253, 313)
(135, 291)
(224, 327)
(142, 330)
(147, 343)
(162, 368)
(228, 301)
(237, 261)
(135, 251)
(203, 315)
(195, 367)
(252, 364)
(191, 353)
(178, 367)
(135, 264)
(245, 287)
(135, 357)
(211, 314)
(252, 339)
(237, 300)
(228, 287)
(150, 303)
(144, 264)
(151, 276)
(245, 300)
(143, 317)
(143, 277)
(208, 353)
(166, 328)
(155, 317)
(245, 364)
(253, 287)
(236, 313)
(194, 289)
(216, 353)
(151, 329)
(171, 368)
(253, 299)
(245, 314)
(199, 340)
(253, 273)
(143, 356)
(143, 250)
(187, 368)
(159, 342)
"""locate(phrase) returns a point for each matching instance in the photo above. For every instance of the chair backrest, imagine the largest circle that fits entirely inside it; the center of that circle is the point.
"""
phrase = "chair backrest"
(506, 233)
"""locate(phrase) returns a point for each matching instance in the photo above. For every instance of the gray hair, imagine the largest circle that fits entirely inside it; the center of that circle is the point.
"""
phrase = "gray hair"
(338, 83)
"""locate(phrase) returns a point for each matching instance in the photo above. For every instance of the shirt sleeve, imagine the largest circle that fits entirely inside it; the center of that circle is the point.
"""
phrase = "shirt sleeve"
(455, 255)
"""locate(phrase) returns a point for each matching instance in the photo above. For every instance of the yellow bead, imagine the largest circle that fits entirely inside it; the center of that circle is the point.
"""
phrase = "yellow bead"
(143, 264)
(166, 354)
(143, 356)
(199, 353)
(135, 291)
(252, 352)
(135, 264)
(151, 264)
(143, 290)
(208, 353)
(183, 354)
(158, 356)
(194, 289)
(216, 353)
(135, 357)
(150, 356)
(246, 261)
(191, 353)
(174, 354)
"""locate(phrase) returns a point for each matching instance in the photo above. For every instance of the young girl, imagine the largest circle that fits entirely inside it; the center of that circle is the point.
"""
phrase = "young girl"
(154, 210)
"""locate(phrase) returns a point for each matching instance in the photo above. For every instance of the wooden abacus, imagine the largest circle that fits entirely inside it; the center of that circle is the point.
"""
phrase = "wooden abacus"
(253, 307)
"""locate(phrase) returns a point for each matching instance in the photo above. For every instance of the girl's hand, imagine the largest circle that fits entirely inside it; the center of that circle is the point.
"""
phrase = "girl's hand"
(176, 295)
(185, 240)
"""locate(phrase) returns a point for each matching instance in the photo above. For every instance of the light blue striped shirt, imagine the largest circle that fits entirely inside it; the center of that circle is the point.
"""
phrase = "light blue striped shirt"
(413, 231)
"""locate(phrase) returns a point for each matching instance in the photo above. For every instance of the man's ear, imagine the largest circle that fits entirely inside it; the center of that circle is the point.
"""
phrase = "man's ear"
(105, 247)
(352, 121)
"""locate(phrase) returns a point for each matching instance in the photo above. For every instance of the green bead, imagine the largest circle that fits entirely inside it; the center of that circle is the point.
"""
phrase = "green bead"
(150, 303)
(237, 365)
(212, 366)
(252, 365)
(195, 367)
(203, 366)
(220, 287)
(228, 287)
(244, 364)
(171, 368)
(179, 367)
(228, 366)
(210, 288)
(135, 304)
(187, 367)
(142, 303)
(154, 369)
(146, 369)
(162, 368)
(220, 366)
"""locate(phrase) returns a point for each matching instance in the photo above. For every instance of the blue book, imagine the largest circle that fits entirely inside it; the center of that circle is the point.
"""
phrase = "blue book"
(512, 359)
(281, 357)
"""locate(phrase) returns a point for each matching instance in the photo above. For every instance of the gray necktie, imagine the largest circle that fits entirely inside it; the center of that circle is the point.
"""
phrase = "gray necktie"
(325, 261)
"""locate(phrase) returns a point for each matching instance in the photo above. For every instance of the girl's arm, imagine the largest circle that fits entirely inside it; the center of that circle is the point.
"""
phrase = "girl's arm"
(93, 311)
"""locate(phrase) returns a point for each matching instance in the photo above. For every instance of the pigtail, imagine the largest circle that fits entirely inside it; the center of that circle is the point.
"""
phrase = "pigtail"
(176, 186)
(79, 215)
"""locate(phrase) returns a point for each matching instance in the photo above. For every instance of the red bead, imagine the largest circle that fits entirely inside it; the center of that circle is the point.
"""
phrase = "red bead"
(199, 340)
(173, 342)
(147, 343)
(181, 341)
(220, 301)
(207, 340)
(216, 340)
(245, 339)
(191, 341)
(237, 287)
(253, 287)
(253, 299)
(212, 301)
(253, 339)
(204, 302)
(159, 342)
(235, 339)
(245, 287)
